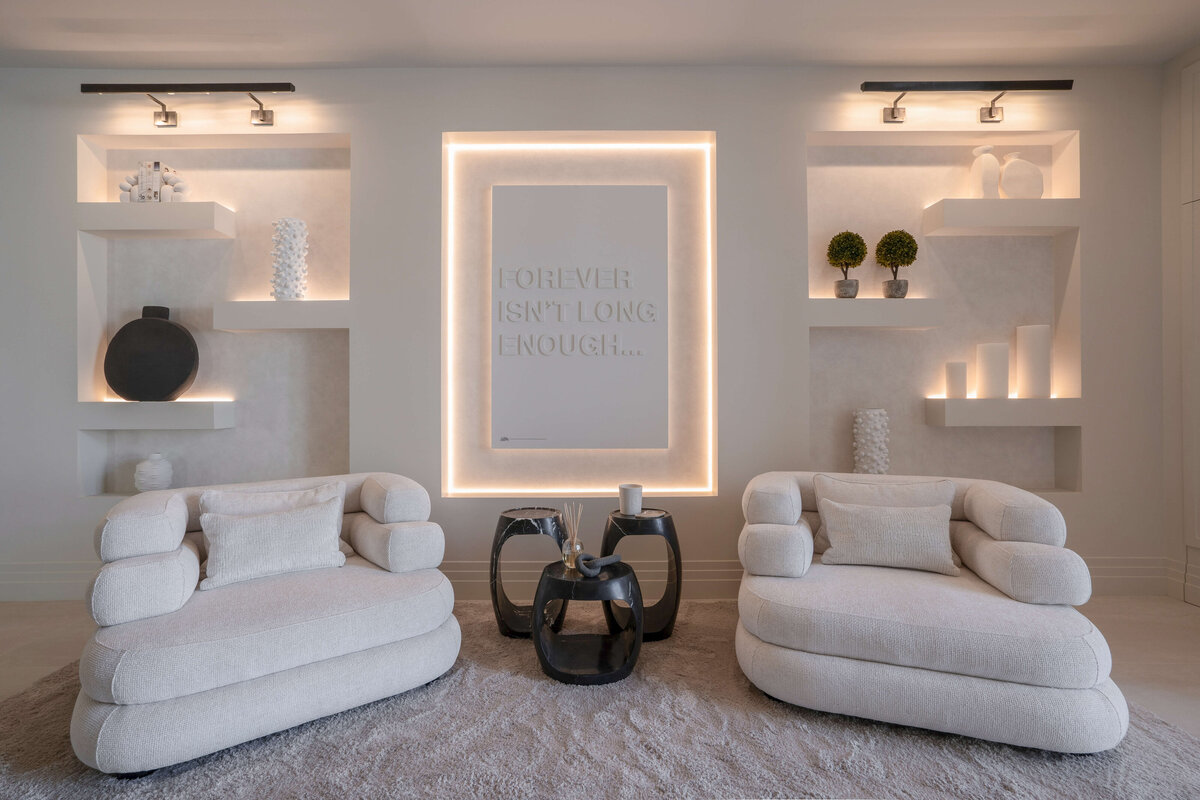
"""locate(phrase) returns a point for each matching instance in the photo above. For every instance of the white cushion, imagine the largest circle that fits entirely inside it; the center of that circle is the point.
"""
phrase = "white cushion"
(254, 546)
(781, 550)
(1009, 514)
(394, 498)
(153, 522)
(926, 620)
(247, 501)
(907, 538)
(134, 738)
(145, 586)
(400, 546)
(866, 490)
(772, 498)
(260, 627)
(1063, 720)
(1025, 571)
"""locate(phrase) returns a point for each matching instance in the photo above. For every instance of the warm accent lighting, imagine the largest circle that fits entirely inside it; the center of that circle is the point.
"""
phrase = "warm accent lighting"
(170, 119)
(164, 118)
(989, 113)
(470, 466)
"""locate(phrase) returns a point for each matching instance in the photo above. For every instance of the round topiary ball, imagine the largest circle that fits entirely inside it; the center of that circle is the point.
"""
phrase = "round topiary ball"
(846, 250)
(896, 249)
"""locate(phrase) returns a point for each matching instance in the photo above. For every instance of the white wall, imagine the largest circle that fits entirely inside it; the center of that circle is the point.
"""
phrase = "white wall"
(766, 386)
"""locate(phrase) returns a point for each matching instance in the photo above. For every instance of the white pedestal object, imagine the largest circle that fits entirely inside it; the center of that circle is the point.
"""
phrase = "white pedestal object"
(985, 172)
(1033, 360)
(871, 441)
(290, 281)
(991, 370)
(1021, 178)
(956, 379)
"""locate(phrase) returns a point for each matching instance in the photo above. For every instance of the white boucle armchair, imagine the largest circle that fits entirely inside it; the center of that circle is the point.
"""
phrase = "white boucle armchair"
(173, 673)
(996, 652)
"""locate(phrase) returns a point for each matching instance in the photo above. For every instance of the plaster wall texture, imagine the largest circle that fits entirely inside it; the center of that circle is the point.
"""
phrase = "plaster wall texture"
(771, 413)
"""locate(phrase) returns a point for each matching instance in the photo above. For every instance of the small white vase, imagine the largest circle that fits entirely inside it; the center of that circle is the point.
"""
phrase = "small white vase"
(153, 474)
(985, 172)
(1021, 179)
(290, 254)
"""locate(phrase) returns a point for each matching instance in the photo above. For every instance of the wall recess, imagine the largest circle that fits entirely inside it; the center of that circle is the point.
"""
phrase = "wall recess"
(475, 461)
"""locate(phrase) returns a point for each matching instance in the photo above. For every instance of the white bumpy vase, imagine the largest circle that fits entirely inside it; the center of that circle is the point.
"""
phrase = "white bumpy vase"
(290, 253)
(153, 474)
(871, 441)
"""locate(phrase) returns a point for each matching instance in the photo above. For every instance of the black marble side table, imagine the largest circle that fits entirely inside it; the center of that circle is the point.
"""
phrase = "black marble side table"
(660, 617)
(515, 620)
(588, 659)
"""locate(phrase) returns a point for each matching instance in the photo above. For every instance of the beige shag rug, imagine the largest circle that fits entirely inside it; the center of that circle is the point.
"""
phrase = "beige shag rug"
(685, 724)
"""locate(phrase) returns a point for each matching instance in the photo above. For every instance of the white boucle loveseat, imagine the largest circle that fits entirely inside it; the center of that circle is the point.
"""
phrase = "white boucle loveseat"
(996, 652)
(173, 673)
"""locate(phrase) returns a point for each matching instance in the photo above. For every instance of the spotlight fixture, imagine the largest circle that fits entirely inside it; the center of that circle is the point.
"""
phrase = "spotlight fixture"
(164, 118)
(988, 113)
(170, 119)
(264, 116)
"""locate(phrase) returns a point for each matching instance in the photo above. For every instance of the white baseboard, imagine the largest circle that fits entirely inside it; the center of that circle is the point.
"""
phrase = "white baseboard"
(1129, 574)
(702, 580)
(46, 580)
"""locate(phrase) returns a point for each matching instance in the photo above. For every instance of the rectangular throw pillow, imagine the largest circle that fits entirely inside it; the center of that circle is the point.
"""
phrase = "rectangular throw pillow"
(232, 501)
(241, 547)
(879, 536)
(865, 492)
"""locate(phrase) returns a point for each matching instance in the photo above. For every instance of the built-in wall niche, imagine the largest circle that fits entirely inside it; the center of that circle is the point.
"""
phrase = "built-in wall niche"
(984, 267)
(271, 395)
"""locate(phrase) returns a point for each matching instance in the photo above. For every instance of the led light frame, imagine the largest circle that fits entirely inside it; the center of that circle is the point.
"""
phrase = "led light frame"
(472, 164)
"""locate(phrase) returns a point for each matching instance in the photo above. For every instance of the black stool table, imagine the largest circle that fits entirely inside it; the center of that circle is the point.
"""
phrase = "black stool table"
(514, 620)
(660, 617)
(587, 659)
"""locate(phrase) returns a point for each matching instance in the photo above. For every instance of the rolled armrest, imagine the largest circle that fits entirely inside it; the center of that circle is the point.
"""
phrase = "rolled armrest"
(152, 522)
(398, 546)
(773, 498)
(146, 586)
(783, 551)
(1025, 571)
(1009, 514)
(394, 498)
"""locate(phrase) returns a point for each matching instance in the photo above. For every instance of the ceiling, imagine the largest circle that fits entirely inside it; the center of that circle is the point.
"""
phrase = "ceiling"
(327, 33)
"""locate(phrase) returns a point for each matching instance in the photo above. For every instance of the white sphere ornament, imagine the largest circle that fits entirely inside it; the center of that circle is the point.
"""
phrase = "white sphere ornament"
(1021, 179)
(871, 441)
(153, 474)
(290, 254)
(985, 172)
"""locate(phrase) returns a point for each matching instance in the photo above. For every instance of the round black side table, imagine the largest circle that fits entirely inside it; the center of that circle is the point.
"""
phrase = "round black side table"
(514, 620)
(588, 659)
(660, 617)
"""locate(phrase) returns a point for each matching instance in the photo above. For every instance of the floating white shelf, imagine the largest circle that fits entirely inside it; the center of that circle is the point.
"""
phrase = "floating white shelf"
(276, 315)
(1004, 412)
(188, 220)
(912, 313)
(177, 415)
(1001, 217)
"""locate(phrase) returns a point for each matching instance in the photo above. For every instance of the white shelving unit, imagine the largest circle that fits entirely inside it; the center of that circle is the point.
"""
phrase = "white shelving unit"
(277, 315)
(177, 415)
(188, 220)
(1001, 217)
(1054, 412)
(910, 313)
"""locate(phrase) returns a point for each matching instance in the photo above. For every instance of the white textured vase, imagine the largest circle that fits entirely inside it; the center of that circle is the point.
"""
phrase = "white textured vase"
(985, 172)
(871, 441)
(152, 474)
(1021, 179)
(290, 255)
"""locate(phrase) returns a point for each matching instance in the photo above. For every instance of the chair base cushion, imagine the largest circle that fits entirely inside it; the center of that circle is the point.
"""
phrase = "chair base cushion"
(247, 630)
(1062, 720)
(958, 624)
(124, 738)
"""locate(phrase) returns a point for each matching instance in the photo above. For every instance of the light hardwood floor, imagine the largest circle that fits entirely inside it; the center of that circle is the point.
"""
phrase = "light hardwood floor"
(1155, 643)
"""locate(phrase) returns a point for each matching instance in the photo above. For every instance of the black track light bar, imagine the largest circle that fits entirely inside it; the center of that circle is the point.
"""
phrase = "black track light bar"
(184, 88)
(967, 86)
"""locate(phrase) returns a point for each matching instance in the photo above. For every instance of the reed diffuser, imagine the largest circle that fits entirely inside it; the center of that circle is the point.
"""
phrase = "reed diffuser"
(572, 547)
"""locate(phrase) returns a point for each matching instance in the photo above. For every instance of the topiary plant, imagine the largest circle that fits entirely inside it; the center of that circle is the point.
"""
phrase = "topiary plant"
(895, 250)
(846, 251)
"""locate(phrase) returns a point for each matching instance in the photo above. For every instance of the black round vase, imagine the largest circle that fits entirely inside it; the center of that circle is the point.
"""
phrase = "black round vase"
(152, 358)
